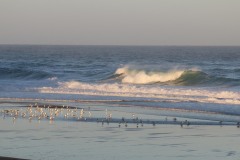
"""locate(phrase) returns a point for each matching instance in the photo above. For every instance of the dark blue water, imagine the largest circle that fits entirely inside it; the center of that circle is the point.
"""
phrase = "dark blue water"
(178, 76)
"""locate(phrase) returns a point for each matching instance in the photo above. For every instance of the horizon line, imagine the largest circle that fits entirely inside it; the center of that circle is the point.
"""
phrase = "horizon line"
(133, 45)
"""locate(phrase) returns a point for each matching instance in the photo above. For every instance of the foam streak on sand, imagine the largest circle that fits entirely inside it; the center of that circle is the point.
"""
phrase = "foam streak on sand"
(149, 92)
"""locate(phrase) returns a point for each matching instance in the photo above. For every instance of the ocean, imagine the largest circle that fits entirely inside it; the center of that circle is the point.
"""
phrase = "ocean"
(100, 102)
(176, 77)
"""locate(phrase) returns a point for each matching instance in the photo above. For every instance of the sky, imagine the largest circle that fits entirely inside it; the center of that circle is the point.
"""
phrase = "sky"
(120, 22)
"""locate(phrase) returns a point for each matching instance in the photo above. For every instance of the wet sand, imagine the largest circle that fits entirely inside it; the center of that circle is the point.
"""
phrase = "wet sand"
(73, 138)
(10, 158)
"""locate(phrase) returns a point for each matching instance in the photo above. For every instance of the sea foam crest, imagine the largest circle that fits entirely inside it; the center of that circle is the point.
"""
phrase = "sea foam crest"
(136, 76)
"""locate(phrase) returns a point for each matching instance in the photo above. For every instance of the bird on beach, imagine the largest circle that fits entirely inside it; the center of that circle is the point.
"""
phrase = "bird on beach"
(133, 116)
(186, 122)
(220, 122)
(174, 119)
(30, 119)
(153, 123)
(89, 114)
(14, 118)
(181, 124)
(141, 122)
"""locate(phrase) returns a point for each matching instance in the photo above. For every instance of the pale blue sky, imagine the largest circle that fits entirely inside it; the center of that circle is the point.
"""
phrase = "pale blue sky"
(120, 22)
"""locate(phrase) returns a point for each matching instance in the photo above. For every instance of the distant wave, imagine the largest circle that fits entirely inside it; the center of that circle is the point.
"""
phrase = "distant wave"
(182, 77)
(17, 73)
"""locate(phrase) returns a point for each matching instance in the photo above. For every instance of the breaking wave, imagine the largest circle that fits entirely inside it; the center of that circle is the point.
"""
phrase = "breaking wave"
(182, 77)
(135, 76)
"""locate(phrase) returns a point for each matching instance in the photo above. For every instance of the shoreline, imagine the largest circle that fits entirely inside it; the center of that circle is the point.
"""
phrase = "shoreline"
(57, 112)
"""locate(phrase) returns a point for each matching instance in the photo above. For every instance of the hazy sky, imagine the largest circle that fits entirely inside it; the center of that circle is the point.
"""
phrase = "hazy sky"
(120, 22)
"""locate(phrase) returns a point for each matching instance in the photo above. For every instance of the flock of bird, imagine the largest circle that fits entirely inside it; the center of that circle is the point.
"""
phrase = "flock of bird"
(43, 112)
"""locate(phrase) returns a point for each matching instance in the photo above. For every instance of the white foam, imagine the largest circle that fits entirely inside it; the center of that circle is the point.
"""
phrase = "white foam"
(150, 91)
(135, 76)
(52, 79)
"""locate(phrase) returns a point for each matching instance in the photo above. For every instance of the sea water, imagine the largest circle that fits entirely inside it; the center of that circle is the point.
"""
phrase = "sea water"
(183, 77)
(152, 83)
